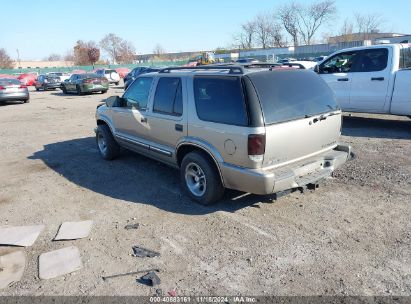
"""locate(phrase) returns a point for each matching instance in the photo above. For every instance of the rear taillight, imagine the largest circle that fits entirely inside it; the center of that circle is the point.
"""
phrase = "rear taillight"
(2, 88)
(23, 86)
(88, 80)
(256, 146)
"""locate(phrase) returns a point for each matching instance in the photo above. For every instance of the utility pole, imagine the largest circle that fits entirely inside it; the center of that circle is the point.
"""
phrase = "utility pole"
(18, 58)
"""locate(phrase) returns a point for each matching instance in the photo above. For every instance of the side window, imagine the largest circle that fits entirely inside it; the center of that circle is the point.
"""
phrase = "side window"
(137, 94)
(340, 63)
(373, 60)
(405, 58)
(72, 77)
(168, 98)
(220, 99)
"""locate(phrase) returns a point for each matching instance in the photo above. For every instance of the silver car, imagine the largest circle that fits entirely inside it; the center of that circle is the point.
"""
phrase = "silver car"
(12, 90)
(255, 130)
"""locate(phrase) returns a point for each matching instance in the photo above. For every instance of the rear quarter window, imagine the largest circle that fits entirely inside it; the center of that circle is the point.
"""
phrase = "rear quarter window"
(405, 58)
(220, 99)
(292, 94)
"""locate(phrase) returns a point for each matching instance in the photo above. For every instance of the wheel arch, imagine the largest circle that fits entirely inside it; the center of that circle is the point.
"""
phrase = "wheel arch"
(185, 148)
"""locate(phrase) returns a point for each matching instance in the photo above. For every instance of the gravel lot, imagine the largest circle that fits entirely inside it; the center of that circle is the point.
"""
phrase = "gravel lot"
(352, 236)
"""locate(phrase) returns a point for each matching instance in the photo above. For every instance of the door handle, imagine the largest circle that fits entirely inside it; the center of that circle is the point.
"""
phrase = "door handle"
(179, 127)
(143, 120)
(377, 79)
(342, 79)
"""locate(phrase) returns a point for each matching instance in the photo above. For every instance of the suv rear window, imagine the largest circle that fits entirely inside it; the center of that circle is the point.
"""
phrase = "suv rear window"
(220, 99)
(292, 94)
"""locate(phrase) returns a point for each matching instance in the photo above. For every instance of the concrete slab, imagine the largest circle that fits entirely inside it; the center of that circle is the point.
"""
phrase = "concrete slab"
(19, 235)
(59, 262)
(74, 230)
(11, 268)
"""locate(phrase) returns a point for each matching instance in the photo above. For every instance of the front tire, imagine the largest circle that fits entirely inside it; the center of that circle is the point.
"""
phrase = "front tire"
(200, 179)
(78, 89)
(107, 145)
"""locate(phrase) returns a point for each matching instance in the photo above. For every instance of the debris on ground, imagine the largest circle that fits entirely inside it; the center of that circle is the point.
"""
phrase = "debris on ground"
(132, 226)
(150, 279)
(144, 253)
(11, 268)
(19, 235)
(129, 274)
(59, 262)
(172, 293)
(74, 230)
(159, 292)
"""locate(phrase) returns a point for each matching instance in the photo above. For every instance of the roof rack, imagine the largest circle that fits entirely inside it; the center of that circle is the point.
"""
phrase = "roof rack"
(232, 69)
(273, 65)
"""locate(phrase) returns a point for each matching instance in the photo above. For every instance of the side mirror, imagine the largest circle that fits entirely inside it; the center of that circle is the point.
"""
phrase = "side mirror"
(317, 69)
(116, 102)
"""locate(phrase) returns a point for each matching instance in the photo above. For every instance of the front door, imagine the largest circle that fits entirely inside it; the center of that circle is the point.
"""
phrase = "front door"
(337, 72)
(130, 121)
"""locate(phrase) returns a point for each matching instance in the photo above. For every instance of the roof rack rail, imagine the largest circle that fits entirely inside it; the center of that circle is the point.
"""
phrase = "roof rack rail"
(273, 65)
(232, 69)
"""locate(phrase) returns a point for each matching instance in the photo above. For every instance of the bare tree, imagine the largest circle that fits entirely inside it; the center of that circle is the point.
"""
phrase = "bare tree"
(347, 31)
(159, 50)
(81, 52)
(248, 32)
(53, 57)
(120, 50)
(93, 54)
(310, 18)
(368, 23)
(288, 17)
(5, 61)
(267, 32)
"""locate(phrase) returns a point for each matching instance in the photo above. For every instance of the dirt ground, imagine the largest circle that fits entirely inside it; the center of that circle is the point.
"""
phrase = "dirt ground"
(352, 236)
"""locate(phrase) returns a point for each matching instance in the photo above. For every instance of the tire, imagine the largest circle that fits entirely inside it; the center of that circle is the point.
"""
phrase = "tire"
(64, 90)
(204, 184)
(27, 101)
(37, 89)
(104, 92)
(107, 145)
(78, 90)
(117, 83)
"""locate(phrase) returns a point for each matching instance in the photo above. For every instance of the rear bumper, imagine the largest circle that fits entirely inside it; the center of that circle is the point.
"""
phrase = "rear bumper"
(295, 175)
(14, 96)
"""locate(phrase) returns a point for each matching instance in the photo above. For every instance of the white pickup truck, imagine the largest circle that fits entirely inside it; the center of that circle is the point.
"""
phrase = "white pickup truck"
(373, 79)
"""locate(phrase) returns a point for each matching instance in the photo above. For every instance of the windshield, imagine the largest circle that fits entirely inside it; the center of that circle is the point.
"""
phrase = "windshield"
(292, 94)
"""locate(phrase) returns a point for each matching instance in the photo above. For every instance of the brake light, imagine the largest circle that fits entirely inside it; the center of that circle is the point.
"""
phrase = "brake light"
(2, 88)
(88, 80)
(23, 86)
(256, 146)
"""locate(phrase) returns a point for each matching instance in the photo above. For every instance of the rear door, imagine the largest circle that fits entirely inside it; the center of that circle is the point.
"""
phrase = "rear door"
(302, 117)
(337, 72)
(369, 87)
(167, 119)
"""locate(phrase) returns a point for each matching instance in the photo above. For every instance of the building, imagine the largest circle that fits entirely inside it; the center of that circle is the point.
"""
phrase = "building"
(41, 64)
(374, 37)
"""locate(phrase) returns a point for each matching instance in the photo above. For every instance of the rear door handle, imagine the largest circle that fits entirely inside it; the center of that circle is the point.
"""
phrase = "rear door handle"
(342, 79)
(377, 79)
(143, 119)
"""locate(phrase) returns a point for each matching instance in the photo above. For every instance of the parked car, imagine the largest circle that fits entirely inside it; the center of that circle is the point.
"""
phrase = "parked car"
(252, 130)
(12, 89)
(111, 75)
(373, 79)
(28, 79)
(247, 60)
(137, 72)
(85, 83)
(47, 82)
(62, 76)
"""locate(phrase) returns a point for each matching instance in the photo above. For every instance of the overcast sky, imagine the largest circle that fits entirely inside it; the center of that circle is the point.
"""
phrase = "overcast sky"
(39, 28)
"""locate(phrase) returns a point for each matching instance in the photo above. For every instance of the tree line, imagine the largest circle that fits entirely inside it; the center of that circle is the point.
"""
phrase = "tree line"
(298, 23)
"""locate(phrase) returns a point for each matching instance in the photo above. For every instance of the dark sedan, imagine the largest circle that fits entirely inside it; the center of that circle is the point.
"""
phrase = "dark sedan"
(47, 82)
(137, 72)
(13, 90)
(85, 83)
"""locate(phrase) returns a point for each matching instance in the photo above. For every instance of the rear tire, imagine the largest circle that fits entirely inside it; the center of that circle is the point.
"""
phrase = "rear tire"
(200, 179)
(104, 92)
(107, 145)
(64, 90)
